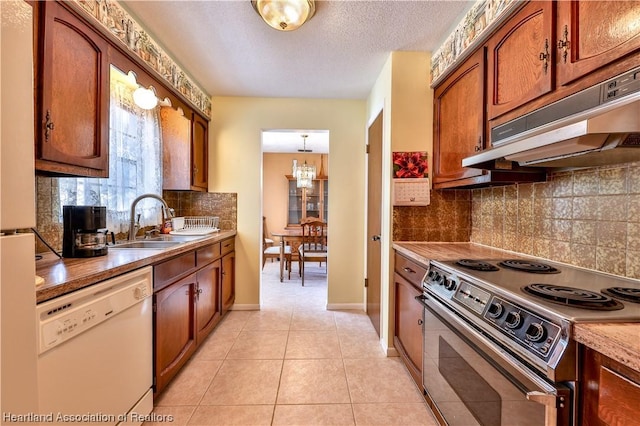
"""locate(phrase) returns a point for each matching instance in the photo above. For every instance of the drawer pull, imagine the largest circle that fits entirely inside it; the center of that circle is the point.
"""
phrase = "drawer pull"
(407, 269)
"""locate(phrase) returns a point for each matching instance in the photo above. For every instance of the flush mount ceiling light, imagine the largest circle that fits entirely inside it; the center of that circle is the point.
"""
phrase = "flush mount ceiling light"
(145, 98)
(285, 15)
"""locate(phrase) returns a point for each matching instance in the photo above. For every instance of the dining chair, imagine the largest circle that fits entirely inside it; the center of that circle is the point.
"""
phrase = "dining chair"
(313, 245)
(272, 252)
(265, 234)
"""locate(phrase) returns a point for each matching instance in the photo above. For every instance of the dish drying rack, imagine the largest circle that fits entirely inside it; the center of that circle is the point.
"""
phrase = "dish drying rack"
(194, 225)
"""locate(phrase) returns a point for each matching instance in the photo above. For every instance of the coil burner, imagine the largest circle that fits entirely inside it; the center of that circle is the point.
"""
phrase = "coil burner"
(574, 297)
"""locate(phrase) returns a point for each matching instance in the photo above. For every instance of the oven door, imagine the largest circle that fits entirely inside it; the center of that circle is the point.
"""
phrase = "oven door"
(472, 381)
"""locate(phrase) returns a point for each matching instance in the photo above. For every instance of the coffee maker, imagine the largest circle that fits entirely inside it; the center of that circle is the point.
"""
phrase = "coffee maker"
(81, 237)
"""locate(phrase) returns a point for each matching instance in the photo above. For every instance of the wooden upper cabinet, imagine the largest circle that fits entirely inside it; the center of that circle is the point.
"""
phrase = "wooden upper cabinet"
(200, 170)
(176, 149)
(592, 34)
(73, 107)
(459, 120)
(521, 58)
(184, 145)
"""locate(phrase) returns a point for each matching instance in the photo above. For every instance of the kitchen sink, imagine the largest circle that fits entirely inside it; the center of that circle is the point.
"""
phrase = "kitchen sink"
(177, 238)
(146, 244)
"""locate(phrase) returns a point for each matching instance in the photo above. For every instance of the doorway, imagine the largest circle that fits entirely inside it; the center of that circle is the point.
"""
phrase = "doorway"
(284, 205)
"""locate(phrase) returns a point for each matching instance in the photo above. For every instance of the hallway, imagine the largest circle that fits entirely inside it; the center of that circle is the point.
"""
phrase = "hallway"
(293, 363)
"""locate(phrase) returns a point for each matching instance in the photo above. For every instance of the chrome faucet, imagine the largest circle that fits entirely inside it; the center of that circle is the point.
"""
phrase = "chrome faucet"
(133, 227)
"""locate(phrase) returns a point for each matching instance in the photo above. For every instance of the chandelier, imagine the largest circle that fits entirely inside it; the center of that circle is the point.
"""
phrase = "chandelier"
(305, 173)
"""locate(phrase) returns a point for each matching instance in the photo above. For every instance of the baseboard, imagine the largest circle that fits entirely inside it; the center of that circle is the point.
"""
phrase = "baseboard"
(245, 307)
(345, 307)
(389, 350)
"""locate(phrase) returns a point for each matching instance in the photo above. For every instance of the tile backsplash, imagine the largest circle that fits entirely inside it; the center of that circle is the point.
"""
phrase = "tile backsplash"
(588, 218)
(447, 218)
(185, 203)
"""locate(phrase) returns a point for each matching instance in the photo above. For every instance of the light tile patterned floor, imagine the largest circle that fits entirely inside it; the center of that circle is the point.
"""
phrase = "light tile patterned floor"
(293, 363)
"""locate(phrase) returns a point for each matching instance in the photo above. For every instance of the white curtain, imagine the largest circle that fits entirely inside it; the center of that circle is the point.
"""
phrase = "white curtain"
(135, 164)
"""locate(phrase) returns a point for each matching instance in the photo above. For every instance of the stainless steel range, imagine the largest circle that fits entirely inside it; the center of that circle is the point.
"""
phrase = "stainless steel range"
(498, 346)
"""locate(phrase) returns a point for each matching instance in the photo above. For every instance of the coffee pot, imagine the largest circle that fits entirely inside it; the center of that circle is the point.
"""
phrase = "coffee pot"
(81, 231)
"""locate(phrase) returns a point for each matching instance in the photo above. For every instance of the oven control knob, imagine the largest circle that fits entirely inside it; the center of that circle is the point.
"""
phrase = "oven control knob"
(536, 332)
(432, 274)
(438, 278)
(495, 310)
(450, 284)
(513, 320)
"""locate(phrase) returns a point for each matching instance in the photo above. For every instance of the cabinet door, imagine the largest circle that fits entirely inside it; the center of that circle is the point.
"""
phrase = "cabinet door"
(459, 120)
(175, 337)
(610, 391)
(408, 329)
(199, 153)
(176, 150)
(295, 203)
(72, 136)
(313, 200)
(592, 34)
(520, 58)
(207, 300)
(228, 293)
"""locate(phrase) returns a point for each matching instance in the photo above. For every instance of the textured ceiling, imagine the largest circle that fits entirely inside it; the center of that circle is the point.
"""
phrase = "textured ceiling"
(338, 54)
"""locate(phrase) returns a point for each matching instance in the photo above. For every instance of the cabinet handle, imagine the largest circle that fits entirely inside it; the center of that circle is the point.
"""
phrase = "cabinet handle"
(420, 322)
(544, 56)
(411, 271)
(48, 126)
(478, 147)
(564, 44)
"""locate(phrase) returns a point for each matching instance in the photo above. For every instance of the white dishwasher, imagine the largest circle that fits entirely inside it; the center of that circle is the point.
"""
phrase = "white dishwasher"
(95, 352)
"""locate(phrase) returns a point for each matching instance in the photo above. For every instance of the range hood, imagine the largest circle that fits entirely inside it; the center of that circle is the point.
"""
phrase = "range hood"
(597, 126)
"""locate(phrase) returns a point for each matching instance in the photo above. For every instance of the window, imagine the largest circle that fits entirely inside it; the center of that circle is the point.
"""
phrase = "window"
(135, 163)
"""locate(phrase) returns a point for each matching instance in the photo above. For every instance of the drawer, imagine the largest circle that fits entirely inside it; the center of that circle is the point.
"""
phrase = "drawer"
(171, 270)
(410, 270)
(207, 254)
(228, 246)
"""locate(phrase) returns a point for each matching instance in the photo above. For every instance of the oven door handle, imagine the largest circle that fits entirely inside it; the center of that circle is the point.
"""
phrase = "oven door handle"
(551, 402)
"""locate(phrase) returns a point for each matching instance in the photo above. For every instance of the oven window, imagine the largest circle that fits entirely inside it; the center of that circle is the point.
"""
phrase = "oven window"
(483, 402)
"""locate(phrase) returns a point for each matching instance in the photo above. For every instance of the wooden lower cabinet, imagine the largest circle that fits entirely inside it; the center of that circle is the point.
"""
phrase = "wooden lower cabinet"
(407, 337)
(187, 308)
(228, 281)
(408, 329)
(174, 329)
(208, 307)
(609, 392)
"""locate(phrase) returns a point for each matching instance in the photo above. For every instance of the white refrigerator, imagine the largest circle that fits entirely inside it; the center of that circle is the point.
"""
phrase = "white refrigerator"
(18, 356)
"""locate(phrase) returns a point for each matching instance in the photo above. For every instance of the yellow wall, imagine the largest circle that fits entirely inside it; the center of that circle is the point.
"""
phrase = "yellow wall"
(402, 89)
(235, 159)
(275, 185)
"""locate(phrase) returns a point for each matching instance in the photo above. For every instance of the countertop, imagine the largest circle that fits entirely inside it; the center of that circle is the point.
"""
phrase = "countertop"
(424, 252)
(618, 341)
(62, 276)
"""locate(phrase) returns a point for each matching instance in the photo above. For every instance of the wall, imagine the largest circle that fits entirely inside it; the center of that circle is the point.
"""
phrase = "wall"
(588, 218)
(275, 185)
(235, 160)
(402, 92)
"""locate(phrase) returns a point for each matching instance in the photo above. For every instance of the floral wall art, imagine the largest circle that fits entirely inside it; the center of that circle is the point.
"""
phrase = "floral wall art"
(410, 165)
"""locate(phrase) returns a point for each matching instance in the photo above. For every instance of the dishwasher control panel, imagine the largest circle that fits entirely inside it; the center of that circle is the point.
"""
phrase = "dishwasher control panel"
(62, 318)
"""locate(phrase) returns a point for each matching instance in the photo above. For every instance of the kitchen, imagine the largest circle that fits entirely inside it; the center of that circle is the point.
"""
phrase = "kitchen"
(232, 142)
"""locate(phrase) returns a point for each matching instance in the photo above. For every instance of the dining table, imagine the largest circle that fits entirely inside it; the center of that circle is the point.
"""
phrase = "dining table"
(285, 235)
